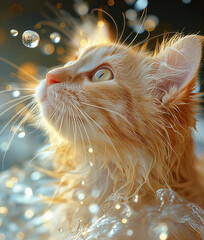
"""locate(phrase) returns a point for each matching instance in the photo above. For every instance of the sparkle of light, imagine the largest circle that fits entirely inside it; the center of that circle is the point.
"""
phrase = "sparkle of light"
(136, 198)
(90, 150)
(48, 49)
(100, 23)
(163, 236)
(28, 192)
(3, 210)
(91, 164)
(16, 94)
(124, 220)
(93, 208)
(55, 37)
(81, 8)
(111, 3)
(117, 206)
(129, 232)
(141, 4)
(131, 14)
(21, 135)
(29, 213)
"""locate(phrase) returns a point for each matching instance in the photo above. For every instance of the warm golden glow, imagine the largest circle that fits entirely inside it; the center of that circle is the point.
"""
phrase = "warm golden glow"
(110, 3)
(27, 71)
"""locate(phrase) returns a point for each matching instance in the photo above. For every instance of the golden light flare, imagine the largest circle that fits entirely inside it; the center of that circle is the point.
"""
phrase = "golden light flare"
(149, 25)
(27, 71)
(48, 49)
(60, 50)
(3, 210)
(62, 25)
(100, 23)
(59, 5)
(111, 3)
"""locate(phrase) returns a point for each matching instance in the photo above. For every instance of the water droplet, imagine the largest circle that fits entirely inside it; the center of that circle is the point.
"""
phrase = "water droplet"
(30, 39)
(55, 37)
(14, 32)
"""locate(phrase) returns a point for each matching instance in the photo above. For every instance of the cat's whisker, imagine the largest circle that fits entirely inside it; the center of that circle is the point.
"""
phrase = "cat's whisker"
(25, 80)
(75, 121)
(11, 139)
(17, 89)
(116, 27)
(103, 132)
(15, 100)
(24, 99)
(18, 68)
(10, 120)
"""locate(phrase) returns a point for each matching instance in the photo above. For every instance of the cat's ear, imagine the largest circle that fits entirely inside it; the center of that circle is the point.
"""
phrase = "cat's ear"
(178, 64)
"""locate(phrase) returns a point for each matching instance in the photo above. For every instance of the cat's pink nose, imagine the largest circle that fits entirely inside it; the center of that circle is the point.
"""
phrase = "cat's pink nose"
(50, 79)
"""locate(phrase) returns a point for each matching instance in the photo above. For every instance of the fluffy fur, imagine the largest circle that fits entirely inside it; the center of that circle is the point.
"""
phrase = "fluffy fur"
(139, 124)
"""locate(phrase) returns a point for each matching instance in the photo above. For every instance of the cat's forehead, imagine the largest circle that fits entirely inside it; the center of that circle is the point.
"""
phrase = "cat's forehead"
(92, 57)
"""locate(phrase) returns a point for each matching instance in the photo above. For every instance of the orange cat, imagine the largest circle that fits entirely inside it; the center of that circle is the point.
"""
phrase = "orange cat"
(120, 120)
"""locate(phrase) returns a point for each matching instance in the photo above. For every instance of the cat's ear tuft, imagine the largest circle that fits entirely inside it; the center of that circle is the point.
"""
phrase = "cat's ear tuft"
(178, 64)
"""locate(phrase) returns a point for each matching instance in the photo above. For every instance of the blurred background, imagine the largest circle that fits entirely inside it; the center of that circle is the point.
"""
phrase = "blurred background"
(22, 216)
(169, 16)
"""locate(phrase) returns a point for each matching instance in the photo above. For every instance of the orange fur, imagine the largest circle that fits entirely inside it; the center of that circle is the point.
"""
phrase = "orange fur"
(139, 124)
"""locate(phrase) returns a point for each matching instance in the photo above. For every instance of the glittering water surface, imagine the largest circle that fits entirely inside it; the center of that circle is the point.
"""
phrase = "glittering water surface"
(30, 39)
(55, 37)
(14, 32)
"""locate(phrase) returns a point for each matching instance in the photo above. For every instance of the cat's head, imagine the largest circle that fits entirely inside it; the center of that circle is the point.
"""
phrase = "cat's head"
(140, 105)
(113, 93)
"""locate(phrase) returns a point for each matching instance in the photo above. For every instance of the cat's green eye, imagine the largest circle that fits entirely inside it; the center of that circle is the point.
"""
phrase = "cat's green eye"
(102, 74)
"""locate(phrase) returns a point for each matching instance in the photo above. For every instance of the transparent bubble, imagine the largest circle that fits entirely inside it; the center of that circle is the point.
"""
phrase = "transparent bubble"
(30, 39)
(14, 32)
(55, 37)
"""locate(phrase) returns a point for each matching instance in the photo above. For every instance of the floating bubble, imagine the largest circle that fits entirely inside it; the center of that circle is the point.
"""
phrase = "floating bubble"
(141, 4)
(81, 8)
(131, 14)
(14, 32)
(129, 232)
(55, 37)
(30, 39)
